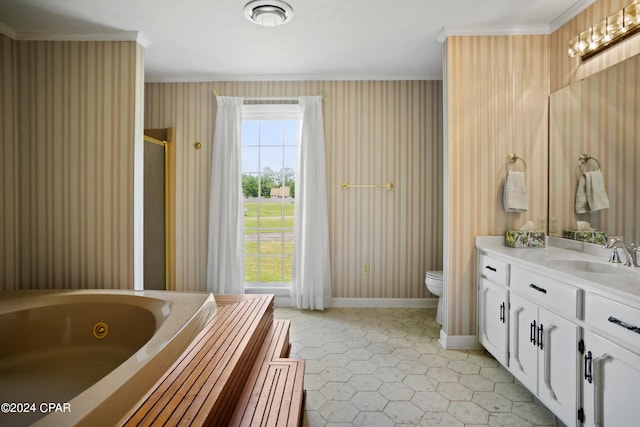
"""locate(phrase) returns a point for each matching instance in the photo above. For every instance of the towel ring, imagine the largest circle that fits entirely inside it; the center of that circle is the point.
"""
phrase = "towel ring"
(512, 159)
(584, 158)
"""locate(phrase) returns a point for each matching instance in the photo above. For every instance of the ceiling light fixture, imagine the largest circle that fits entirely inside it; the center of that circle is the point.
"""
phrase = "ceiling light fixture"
(268, 13)
(612, 30)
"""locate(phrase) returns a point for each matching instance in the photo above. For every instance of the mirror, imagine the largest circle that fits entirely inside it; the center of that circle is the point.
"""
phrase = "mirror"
(598, 116)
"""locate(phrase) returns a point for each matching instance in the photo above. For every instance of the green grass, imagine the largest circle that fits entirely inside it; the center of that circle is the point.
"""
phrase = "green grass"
(271, 252)
(270, 269)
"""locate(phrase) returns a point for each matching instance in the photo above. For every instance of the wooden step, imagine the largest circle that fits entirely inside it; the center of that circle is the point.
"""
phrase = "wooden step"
(204, 385)
(274, 392)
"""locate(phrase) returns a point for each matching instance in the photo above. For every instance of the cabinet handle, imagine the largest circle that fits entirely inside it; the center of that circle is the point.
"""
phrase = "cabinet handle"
(540, 335)
(538, 288)
(597, 390)
(516, 336)
(502, 312)
(627, 326)
(532, 332)
(547, 361)
(488, 267)
(588, 359)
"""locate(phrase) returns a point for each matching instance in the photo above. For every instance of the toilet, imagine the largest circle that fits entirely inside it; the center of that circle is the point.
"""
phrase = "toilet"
(434, 280)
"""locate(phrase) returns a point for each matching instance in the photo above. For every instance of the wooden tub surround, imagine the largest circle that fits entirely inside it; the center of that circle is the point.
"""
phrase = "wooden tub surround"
(236, 372)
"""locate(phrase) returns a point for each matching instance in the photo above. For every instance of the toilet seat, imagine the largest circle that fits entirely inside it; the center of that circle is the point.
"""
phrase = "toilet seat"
(435, 275)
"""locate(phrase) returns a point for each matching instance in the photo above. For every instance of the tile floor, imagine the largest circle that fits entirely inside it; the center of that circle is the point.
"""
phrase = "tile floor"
(385, 367)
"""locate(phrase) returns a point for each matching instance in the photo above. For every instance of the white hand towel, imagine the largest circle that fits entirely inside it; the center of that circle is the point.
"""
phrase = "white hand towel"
(514, 196)
(581, 196)
(596, 193)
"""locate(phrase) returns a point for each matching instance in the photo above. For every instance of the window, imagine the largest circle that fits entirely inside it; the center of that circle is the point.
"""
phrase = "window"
(270, 139)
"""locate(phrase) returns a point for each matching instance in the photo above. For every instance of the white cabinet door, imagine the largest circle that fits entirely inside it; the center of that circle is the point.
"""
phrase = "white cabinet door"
(558, 365)
(493, 319)
(523, 354)
(610, 398)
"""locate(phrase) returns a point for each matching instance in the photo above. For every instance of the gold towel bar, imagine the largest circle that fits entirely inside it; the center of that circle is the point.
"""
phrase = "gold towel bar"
(387, 185)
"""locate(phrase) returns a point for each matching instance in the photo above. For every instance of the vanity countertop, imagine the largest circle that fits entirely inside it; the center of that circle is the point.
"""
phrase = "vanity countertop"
(548, 261)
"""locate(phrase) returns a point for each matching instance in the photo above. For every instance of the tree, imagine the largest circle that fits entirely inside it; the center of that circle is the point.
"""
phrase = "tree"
(249, 185)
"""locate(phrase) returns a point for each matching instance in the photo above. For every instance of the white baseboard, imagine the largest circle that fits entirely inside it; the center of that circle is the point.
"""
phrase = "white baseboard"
(384, 302)
(283, 301)
(287, 301)
(459, 342)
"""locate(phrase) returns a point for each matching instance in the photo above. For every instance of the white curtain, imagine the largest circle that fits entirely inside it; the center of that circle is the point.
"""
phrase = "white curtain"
(225, 266)
(311, 265)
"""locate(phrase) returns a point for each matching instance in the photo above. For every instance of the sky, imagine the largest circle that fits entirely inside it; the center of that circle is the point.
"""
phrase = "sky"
(262, 144)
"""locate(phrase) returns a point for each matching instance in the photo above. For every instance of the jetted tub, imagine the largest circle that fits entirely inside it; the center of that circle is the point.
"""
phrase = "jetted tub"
(87, 357)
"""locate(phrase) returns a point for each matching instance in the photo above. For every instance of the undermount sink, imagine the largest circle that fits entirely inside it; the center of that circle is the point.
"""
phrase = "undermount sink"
(593, 267)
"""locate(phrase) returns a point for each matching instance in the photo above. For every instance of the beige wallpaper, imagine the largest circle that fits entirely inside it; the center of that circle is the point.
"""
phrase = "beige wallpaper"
(496, 97)
(598, 116)
(9, 218)
(565, 70)
(73, 150)
(496, 104)
(375, 131)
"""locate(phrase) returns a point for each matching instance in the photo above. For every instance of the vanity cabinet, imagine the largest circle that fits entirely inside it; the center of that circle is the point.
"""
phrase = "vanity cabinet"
(572, 339)
(493, 316)
(544, 356)
(528, 322)
(610, 383)
(493, 319)
(611, 372)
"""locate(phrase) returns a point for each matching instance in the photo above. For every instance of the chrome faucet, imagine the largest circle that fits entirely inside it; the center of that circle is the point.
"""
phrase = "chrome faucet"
(630, 253)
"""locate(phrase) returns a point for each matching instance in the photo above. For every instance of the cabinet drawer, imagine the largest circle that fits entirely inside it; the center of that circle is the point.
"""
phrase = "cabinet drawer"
(493, 269)
(613, 319)
(550, 293)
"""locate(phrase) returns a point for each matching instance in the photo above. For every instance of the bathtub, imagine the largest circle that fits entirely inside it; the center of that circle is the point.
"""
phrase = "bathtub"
(87, 357)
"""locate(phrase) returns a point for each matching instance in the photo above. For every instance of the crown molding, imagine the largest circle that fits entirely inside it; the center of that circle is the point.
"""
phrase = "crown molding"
(569, 14)
(518, 30)
(122, 36)
(151, 78)
(7, 30)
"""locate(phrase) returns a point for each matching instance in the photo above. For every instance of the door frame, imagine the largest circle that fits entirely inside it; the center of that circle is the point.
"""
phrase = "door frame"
(166, 138)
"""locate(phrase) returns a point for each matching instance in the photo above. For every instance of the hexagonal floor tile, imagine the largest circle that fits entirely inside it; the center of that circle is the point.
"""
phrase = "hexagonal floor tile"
(455, 391)
(369, 401)
(371, 419)
(365, 382)
(396, 391)
(468, 412)
(403, 412)
(430, 401)
(337, 391)
(492, 401)
(338, 411)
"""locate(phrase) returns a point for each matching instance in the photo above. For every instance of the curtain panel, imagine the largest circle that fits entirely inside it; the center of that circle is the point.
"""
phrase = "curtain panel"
(225, 264)
(311, 263)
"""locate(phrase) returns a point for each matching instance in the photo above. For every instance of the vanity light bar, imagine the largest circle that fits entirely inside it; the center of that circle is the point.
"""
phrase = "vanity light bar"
(608, 32)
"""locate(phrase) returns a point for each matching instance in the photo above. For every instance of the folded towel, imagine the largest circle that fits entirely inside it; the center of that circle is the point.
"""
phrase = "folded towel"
(596, 193)
(514, 196)
(581, 196)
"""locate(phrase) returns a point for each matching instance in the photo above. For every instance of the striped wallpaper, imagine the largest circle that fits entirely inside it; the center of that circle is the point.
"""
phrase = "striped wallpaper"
(496, 99)
(598, 116)
(9, 218)
(496, 104)
(375, 131)
(76, 126)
